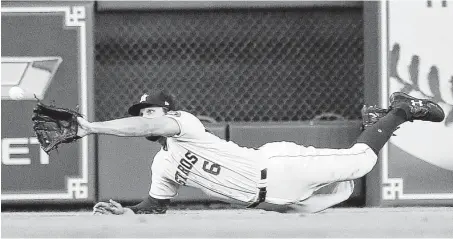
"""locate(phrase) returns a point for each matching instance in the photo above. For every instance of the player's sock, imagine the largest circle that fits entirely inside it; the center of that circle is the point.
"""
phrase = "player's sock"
(379, 133)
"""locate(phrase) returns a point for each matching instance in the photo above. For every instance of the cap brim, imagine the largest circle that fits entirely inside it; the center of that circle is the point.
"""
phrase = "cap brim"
(135, 109)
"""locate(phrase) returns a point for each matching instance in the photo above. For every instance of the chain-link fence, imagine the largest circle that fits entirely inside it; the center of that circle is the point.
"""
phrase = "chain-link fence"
(233, 65)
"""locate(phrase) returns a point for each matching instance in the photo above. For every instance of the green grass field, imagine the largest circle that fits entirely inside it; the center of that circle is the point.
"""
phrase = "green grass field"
(338, 222)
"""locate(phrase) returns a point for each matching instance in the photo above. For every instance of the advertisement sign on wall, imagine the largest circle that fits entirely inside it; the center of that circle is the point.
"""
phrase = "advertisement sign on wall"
(44, 56)
(417, 47)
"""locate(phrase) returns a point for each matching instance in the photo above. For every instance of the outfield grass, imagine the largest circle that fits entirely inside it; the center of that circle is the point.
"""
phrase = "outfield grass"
(339, 222)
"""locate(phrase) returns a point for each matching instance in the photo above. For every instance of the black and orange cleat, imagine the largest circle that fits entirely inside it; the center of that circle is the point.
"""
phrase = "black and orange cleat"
(417, 109)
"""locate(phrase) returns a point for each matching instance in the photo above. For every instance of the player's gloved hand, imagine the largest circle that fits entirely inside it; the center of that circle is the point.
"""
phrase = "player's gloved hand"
(54, 126)
(106, 208)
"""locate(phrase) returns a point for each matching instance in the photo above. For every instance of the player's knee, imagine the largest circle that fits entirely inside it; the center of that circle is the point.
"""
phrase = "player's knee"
(366, 165)
(365, 161)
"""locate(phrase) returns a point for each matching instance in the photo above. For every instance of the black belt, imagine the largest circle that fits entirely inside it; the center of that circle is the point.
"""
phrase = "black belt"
(262, 193)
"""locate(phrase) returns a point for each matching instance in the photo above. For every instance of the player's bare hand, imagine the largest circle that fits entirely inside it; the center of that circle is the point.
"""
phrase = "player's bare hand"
(105, 208)
(84, 127)
(101, 208)
(97, 210)
(116, 208)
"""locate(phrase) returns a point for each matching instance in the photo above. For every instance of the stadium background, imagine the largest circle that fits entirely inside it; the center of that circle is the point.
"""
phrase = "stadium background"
(233, 65)
(296, 71)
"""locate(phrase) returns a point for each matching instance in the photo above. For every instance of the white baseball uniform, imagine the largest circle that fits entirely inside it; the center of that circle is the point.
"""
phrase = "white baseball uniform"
(225, 170)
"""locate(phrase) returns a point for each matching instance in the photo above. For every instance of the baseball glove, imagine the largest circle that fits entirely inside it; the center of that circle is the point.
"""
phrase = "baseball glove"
(54, 126)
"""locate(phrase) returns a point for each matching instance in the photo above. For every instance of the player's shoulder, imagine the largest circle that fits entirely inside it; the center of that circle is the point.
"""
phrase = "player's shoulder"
(188, 123)
(181, 114)
(185, 118)
(177, 113)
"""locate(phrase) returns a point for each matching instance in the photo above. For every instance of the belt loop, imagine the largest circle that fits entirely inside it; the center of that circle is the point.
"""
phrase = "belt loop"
(264, 173)
(262, 185)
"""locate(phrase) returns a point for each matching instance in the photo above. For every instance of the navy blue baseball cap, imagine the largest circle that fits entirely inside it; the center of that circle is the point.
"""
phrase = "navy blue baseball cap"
(157, 99)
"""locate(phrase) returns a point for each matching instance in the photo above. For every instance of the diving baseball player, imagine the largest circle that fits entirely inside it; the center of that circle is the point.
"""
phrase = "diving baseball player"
(278, 173)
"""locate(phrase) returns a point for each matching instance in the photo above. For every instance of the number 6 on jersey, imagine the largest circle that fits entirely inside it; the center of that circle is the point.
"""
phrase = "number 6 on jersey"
(214, 169)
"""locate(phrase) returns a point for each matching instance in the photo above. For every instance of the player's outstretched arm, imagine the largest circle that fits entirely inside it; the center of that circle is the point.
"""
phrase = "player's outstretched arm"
(130, 126)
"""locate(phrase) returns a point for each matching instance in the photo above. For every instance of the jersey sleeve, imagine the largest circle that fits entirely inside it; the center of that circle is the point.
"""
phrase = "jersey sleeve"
(189, 125)
(162, 187)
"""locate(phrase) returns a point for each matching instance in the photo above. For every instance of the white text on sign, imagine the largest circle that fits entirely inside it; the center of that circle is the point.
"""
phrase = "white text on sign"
(10, 146)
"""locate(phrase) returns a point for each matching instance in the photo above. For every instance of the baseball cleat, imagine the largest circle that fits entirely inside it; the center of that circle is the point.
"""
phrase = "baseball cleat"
(419, 109)
(371, 115)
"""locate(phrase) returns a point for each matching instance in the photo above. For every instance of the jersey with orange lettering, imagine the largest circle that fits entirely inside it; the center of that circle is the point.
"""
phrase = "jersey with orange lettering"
(198, 158)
